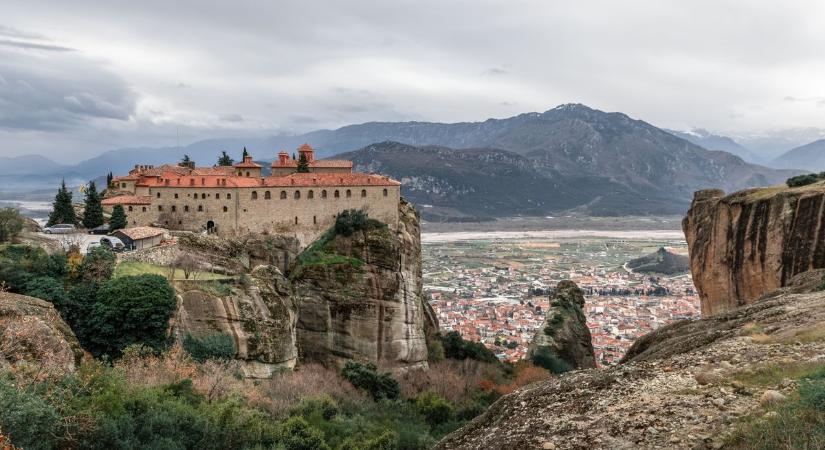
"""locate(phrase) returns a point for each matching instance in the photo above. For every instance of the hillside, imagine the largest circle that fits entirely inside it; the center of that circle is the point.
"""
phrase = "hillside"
(710, 141)
(810, 157)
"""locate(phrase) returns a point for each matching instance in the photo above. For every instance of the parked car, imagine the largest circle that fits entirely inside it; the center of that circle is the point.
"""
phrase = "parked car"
(115, 244)
(103, 229)
(61, 228)
(92, 245)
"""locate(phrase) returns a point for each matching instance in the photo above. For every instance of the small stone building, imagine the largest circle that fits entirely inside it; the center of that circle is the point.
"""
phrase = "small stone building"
(139, 238)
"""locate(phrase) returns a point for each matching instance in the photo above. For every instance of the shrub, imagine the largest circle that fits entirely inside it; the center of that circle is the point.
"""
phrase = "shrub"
(804, 180)
(11, 224)
(297, 434)
(28, 420)
(98, 265)
(366, 377)
(455, 347)
(46, 288)
(212, 346)
(435, 409)
(544, 357)
(130, 310)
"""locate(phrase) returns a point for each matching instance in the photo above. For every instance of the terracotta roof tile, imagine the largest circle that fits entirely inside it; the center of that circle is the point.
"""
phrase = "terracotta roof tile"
(141, 232)
(127, 200)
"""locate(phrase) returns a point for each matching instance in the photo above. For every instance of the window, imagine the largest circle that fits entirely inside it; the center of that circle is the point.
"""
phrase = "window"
(267, 195)
(123, 185)
(180, 222)
(158, 194)
(385, 192)
(363, 192)
(225, 209)
(254, 195)
(297, 195)
(160, 207)
(200, 207)
(324, 193)
(247, 173)
(174, 208)
(296, 220)
(336, 194)
(185, 208)
(203, 196)
(229, 196)
(349, 193)
(311, 194)
(195, 195)
(176, 195)
(283, 195)
(218, 196)
(130, 208)
(144, 209)
(314, 220)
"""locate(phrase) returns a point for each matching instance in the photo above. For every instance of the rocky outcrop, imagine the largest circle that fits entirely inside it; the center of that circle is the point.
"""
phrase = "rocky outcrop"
(240, 253)
(260, 317)
(750, 243)
(34, 340)
(685, 386)
(564, 332)
(662, 261)
(359, 296)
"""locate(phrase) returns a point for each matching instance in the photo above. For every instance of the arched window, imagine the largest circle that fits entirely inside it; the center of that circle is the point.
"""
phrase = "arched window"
(200, 207)
(385, 192)
(283, 195)
(363, 192)
(185, 208)
(203, 196)
(218, 196)
(176, 195)
(297, 195)
(195, 195)
(311, 194)
(160, 207)
(174, 208)
(349, 193)
(158, 194)
(229, 196)
(225, 209)
(247, 173)
(254, 195)
(324, 193)
(144, 209)
(130, 208)
(267, 195)
(336, 194)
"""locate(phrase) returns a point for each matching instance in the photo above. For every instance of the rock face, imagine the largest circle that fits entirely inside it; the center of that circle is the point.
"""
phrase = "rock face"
(359, 297)
(684, 386)
(34, 338)
(750, 243)
(663, 261)
(260, 318)
(564, 331)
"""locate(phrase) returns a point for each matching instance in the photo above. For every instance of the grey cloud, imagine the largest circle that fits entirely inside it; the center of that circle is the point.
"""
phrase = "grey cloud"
(34, 46)
(495, 71)
(231, 118)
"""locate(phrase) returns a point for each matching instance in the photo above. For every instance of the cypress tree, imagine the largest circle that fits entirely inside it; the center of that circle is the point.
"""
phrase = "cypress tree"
(109, 178)
(118, 220)
(245, 153)
(303, 164)
(93, 212)
(187, 162)
(224, 160)
(62, 210)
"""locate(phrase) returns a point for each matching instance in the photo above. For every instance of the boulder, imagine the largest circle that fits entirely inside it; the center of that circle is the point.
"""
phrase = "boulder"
(564, 331)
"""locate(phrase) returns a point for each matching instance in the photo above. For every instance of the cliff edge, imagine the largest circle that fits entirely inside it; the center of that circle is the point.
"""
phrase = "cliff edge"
(747, 244)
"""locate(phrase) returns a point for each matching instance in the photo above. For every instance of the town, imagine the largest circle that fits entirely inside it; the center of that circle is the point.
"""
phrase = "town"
(497, 291)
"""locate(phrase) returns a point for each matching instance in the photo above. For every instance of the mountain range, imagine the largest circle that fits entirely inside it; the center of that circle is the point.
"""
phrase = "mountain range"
(810, 156)
(569, 158)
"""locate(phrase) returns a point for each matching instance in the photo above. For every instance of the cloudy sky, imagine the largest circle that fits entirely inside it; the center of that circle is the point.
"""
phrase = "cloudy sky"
(79, 77)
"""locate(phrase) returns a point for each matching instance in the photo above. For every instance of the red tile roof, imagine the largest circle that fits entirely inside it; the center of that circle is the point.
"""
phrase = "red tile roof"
(137, 233)
(127, 200)
(340, 163)
(295, 179)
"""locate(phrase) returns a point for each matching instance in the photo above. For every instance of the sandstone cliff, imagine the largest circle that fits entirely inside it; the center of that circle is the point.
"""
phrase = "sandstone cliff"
(564, 332)
(750, 243)
(688, 385)
(359, 296)
(34, 340)
(260, 317)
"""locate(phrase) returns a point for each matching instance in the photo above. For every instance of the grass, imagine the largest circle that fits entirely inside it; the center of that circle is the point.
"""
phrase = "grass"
(130, 268)
(770, 375)
(798, 423)
(807, 335)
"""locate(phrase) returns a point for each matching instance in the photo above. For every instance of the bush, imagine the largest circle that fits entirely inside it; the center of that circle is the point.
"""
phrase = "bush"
(545, 358)
(131, 310)
(11, 224)
(28, 420)
(98, 265)
(804, 180)
(212, 346)
(435, 409)
(352, 220)
(366, 377)
(46, 288)
(455, 347)
(297, 434)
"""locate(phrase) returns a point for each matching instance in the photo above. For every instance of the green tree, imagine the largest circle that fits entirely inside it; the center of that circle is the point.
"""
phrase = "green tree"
(225, 160)
(187, 162)
(118, 220)
(11, 224)
(544, 357)
(46, 288)
(245, 153)
(98, 265)
(366, 377)
(62, 209)
(131, 310)
(93, 210)
(455, 347)
(109, 178)
(211, 346)
(303, 164)
(435, 409)
(297, 434)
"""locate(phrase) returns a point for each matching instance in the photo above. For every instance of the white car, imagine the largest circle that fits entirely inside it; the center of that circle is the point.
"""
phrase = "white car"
(61, 228)
(92, 245)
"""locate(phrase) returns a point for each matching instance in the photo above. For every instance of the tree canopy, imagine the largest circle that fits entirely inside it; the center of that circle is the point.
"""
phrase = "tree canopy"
(118, 220)
(93, 210)
(62, 209)
(225, 160)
